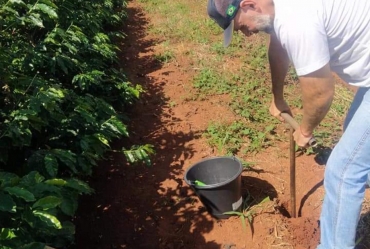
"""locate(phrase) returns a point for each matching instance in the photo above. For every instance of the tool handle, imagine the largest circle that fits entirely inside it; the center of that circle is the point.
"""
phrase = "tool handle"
(290, 120)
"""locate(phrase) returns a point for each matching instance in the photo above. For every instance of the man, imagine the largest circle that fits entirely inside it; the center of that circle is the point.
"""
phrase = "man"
(318, 37)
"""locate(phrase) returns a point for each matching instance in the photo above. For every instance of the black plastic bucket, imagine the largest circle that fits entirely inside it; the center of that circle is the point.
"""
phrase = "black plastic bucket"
(222, 192)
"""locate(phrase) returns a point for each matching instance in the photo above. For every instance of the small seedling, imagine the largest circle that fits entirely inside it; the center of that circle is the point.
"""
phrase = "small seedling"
(247, 212)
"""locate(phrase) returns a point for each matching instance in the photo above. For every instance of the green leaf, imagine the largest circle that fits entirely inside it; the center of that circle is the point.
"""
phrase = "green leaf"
(51, 165)
(69, 204)
(67, 157)
(56, 93)
(72, 49)
(111, 128)
(43, 189)
(20, 2)
(79, 185)
(84, 143)
(242, 217)
(7, 234)
(31, 179)
(68, 228)
(234, 213)
(7, 204)
(60, 62)
(20, 193)
(49, 3)
(48, 219)
(266, 199)
(69, 207)
(35, 20)
(13, 11)
(120, 126)
(47, 10)
(130, 157)
(149, 148)
(57, 182)
(145, 157)
(86, 114)
(244, 224)
(47, 202)
(102, 139)
(138, 155)
(8, 179)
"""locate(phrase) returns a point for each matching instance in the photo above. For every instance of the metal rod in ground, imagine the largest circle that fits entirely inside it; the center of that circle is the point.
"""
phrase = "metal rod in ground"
(292, 174)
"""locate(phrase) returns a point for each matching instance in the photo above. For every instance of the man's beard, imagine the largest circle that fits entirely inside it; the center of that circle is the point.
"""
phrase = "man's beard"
(264, 23)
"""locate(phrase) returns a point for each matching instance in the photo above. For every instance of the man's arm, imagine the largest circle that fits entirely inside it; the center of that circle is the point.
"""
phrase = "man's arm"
(317, 95)
(279, 64)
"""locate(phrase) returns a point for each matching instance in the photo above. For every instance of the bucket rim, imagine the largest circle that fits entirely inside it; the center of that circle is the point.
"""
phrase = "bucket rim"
(212, 186)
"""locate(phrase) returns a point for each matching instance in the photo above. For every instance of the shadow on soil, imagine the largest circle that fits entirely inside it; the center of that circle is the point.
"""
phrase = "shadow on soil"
(131, 208)
(258, 189)
(306, 196)
(363, 230)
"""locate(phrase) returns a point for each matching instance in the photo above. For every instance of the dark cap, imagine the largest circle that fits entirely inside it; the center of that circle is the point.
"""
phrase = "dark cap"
(223, 12)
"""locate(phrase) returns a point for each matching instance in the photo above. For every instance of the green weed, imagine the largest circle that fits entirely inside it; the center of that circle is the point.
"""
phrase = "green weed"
(237, 137)
(248, 211)
(211, 82)
(165, 57)
(227, 138)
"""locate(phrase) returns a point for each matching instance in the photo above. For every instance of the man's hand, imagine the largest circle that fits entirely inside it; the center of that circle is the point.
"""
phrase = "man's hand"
(302, 139)
(279, 106)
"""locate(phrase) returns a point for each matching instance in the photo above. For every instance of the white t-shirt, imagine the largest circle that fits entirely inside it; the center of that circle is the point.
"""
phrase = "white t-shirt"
(315, 32)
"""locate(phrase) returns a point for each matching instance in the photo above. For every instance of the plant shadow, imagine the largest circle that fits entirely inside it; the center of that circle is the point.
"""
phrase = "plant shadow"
(363, 230)
(135, 206)
(322, 154)
(255, 191)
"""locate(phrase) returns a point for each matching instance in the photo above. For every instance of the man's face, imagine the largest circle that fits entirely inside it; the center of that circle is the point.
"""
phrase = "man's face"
(249, 22)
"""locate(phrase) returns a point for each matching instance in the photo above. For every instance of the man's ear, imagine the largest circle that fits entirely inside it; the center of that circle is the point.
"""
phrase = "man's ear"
(249, 4)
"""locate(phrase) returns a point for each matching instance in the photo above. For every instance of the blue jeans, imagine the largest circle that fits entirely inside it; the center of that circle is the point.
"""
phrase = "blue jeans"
(345, 177)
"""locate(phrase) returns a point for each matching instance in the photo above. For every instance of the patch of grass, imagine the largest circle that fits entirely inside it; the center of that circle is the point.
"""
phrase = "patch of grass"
(256, 57)
(209, 81)
(238, 42)
(165, 57)
(236, 137)
(227, 138)
(181, 20)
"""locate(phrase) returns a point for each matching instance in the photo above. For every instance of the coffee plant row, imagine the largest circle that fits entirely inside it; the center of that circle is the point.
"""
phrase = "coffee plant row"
(62, 102)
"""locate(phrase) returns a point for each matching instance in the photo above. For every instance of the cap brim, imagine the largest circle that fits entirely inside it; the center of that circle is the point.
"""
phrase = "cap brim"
(228, 34)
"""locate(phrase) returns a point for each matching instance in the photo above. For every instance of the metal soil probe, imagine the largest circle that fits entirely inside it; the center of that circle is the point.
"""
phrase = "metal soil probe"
(294, 126)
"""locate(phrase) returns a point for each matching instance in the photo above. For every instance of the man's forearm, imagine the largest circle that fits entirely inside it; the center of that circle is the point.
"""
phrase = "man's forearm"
(279, 64)
(317, 96)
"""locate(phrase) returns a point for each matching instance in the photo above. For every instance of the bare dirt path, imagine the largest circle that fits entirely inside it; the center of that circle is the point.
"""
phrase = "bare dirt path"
(139, 207)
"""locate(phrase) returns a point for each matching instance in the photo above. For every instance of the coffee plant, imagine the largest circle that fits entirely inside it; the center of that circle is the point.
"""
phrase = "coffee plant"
(63, 101)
